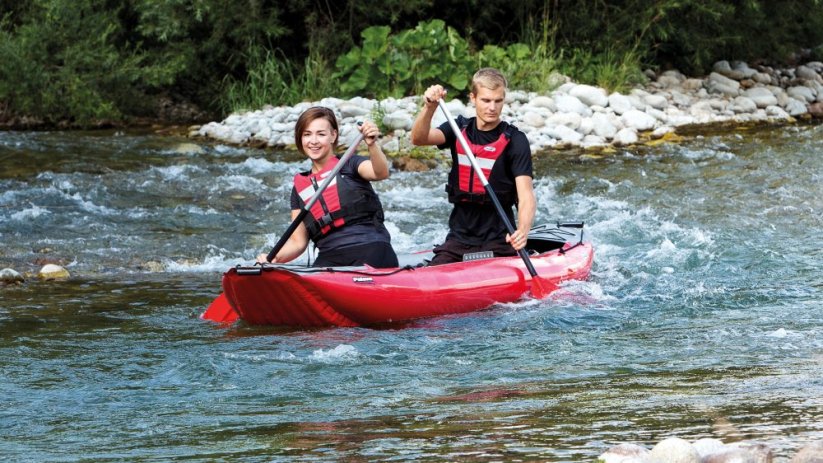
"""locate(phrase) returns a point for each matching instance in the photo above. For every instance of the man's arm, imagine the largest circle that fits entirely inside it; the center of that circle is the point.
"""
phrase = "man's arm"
(422, 132)
(526, 208)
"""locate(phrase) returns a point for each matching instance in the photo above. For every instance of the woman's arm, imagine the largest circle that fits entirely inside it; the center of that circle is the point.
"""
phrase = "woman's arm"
(295, 245)
(377, 167)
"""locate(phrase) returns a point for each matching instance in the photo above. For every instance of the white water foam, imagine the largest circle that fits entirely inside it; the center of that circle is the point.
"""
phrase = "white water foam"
(29, 213)
(338, 353)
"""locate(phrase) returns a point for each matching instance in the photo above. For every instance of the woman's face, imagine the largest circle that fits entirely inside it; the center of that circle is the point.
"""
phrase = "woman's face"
(318, 139)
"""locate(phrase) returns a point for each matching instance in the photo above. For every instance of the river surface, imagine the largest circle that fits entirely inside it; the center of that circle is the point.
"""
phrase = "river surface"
(703, 316)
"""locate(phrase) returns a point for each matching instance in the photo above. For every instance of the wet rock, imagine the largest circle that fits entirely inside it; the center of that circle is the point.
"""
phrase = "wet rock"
(811, 453)
(757, 452)
(741, 452)
(674, 450)
(10, 276)
(53, 272)
(816, 110)
(624, 453)
(189, 148)
(708, 446)
(408, 164)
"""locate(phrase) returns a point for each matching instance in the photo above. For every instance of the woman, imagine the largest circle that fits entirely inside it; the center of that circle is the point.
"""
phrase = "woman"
(346, 223)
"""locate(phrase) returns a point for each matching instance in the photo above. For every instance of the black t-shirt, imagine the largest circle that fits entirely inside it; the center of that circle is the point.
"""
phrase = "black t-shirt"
(349, 235)
(476, 224)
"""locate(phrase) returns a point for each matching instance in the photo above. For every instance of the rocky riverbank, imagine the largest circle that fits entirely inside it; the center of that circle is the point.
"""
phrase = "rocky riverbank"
(676, 450)
(573, 115)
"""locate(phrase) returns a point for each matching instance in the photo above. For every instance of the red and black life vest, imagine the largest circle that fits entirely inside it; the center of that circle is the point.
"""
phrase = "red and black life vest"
(346, 201)
(468, 187)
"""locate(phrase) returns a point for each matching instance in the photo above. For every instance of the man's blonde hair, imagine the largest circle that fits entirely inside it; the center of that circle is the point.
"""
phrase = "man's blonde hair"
(489, 78)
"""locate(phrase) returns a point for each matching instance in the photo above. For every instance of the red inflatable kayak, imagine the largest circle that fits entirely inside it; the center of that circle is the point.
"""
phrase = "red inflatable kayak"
(292, 295)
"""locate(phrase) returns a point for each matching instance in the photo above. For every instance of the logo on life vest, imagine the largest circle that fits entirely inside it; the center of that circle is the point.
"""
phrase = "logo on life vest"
(490, 149)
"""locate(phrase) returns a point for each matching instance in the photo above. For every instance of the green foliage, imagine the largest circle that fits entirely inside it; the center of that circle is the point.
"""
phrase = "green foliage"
(83, 60)
(67, 66)
(405, 63)
(275, 80)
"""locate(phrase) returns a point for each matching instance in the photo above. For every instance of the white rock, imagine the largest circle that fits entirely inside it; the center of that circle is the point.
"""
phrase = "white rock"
(624, 453)
(638, 120)
(516, 96)
(744, 70)
(9, 275)
(761, 96)
(533, 119)
(777, 112)
(692, 84)
(801, 93)
(570, 104)
(590, 141)
(717, 83)
(563, 134)
(53, 272)
(398, 120)
(586, 125)
(810, 453)
(674, 450)
(805, 72)
(661, 132)
(350, 109)
(590, 95)
(602, 126)
(762, 78)
(680, 99)
(627, 136)
(742, 104)
(707, 446)
(657, 114)
(544, 102)
(619, 103)
(656, 101)
(570, 120)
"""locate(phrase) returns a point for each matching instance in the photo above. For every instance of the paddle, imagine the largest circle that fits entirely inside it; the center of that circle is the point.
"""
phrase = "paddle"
(538, 292)
(326, 181)
(220, 310)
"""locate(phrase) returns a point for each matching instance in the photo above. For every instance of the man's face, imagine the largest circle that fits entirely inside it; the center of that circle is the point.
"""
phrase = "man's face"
(489, 105)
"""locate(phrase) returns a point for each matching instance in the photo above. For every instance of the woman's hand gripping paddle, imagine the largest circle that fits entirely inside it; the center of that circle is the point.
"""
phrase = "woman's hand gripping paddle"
(220, 310)
(538, 291)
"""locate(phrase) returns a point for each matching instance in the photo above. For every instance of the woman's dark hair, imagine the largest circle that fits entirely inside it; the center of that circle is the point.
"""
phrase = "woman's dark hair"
(309, 115)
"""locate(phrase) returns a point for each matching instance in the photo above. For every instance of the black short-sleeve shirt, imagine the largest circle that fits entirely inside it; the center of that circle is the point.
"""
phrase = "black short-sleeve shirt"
(476, 224)
(350, 235)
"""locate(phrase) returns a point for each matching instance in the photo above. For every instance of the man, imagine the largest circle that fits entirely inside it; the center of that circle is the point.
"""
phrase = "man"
(504, 155)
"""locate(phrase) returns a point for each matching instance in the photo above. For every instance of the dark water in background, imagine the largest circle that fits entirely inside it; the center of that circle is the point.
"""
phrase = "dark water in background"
(702, 317)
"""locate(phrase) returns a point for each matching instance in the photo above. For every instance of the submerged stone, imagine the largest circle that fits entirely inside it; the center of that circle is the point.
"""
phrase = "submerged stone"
(53, 272)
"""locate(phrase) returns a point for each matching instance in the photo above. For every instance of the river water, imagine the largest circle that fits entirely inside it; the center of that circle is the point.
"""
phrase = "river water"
(702, 317)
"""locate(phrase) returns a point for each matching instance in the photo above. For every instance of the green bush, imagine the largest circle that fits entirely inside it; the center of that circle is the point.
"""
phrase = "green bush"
(405, 63)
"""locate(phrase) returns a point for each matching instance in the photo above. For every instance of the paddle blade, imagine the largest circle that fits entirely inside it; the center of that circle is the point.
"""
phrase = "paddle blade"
(220, 311)
(540, 288)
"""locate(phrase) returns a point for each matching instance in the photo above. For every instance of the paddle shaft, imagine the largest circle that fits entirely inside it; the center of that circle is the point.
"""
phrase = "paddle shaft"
(305, 210)
(489, 191)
